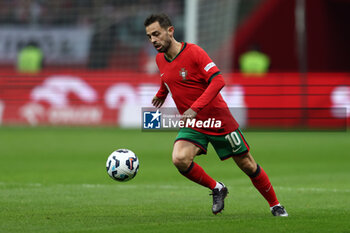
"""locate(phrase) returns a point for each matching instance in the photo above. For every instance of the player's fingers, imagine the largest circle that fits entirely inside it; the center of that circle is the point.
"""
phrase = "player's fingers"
(155, 102)
(161, 102)
(184, 118)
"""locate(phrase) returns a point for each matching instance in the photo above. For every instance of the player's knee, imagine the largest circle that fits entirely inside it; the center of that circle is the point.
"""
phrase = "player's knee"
(181, 161)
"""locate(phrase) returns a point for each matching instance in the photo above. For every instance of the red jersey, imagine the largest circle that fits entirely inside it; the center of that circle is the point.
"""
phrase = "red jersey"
(187, 77)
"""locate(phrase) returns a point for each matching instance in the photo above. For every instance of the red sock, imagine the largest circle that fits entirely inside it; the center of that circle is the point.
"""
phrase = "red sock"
(198, 175)
(263, 185)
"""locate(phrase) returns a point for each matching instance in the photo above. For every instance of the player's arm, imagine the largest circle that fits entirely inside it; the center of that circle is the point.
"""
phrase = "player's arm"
(208, 95)
(213, 89)
(211, 74)
(159, 98)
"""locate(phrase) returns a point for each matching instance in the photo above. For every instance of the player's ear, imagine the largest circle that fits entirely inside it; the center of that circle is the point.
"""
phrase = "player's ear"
(171, 30)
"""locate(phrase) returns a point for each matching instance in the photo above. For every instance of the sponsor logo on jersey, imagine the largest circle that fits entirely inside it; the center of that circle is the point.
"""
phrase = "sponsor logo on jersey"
(209, 66)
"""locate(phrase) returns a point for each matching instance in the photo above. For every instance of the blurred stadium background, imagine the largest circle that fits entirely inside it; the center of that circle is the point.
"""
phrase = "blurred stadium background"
(96, 67)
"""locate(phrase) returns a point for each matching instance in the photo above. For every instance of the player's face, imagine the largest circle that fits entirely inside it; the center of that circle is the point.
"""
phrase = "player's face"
(159, 37)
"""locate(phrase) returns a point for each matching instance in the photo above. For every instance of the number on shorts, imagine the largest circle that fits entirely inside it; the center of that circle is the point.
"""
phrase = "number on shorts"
(234, 140)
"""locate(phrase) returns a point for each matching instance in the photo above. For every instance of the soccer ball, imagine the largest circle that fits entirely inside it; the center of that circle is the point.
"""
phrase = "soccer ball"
(122, 165)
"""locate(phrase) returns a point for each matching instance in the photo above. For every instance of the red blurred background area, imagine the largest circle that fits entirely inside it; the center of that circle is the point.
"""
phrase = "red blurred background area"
(78, 97)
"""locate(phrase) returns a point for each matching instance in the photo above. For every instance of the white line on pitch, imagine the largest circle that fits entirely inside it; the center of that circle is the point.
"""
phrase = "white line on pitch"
(332, 190)
(169, 186)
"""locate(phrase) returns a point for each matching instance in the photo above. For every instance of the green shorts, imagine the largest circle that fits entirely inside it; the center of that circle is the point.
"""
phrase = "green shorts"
(226, 146)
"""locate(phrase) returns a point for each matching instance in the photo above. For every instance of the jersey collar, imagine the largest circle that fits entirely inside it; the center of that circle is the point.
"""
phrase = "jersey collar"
(182, 49)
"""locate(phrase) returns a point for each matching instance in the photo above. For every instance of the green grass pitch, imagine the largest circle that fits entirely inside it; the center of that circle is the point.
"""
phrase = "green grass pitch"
(54, 180)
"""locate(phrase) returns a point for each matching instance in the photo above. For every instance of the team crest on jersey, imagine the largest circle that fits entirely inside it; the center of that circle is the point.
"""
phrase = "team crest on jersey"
(183, 74)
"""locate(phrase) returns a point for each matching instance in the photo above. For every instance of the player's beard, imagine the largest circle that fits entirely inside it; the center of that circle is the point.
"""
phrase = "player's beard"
(165, 46)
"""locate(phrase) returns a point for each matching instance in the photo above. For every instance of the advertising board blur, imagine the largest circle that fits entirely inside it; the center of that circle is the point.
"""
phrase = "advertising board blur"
(87, 97)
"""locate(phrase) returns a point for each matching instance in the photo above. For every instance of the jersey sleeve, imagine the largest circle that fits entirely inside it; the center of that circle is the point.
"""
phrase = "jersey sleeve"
(206, 66)
(208, 71)
(163, 91)
(209, 94)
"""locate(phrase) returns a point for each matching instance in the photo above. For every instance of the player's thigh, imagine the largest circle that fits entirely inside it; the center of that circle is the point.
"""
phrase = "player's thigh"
(184, 150)
(232, 144)
(189, 143)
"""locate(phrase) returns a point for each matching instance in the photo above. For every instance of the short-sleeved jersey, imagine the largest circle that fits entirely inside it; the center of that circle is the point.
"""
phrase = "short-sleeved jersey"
(186, 77)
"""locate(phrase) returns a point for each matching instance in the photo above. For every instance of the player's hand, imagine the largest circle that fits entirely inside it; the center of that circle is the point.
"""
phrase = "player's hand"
(157, 102)
(189, 114)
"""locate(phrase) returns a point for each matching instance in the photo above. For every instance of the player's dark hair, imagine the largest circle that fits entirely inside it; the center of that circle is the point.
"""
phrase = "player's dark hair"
(163, 20)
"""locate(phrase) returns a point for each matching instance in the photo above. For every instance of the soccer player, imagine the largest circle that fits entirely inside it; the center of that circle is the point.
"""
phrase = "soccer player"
(194, 81)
